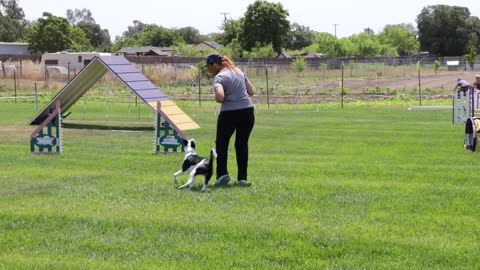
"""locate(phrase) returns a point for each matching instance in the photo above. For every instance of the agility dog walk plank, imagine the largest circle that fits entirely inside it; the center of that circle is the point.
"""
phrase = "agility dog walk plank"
(133, 79)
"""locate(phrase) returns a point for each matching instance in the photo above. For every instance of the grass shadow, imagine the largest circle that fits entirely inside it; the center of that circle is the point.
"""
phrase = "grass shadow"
(106, 126)
(198, 188)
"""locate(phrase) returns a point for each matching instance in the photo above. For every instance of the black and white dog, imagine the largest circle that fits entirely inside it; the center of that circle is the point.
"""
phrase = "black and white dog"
(195, 165)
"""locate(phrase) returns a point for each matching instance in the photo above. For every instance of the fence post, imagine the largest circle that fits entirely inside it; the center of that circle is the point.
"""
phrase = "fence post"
(36, 97)
(106, 101)
(297, 98)
(3, 70)
(419, 84)
(15, 83)
(268, 93)
(276, 98)
(129, 104)
(342, 93)
(85, 107)
(199, 91)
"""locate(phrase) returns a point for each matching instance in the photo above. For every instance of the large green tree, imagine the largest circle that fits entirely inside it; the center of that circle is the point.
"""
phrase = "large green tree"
(264, 23)
(129, 38)
(299, 37)
(12, 21)
(401, 37)
(474, 36)
(83, 19)
(80, 15)
(324, 43)
(80, 42)
(135, 29)
(189, 34)
(233, 49)
(97, 36)
(444, 30)
(231, 31)
(363, 44)
(49, 34)
(159, 36)
(52, 34)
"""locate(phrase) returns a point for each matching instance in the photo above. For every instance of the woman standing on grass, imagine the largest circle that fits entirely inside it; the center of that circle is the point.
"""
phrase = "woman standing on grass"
(233, 90)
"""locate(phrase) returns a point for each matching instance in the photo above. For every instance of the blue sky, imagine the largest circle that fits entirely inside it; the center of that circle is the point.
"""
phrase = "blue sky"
(350, 16)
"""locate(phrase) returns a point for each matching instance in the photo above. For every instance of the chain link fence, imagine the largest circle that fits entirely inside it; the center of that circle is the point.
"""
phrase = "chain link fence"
(275, 81)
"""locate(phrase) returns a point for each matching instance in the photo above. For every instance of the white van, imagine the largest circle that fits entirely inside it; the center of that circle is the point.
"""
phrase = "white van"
(74, 61)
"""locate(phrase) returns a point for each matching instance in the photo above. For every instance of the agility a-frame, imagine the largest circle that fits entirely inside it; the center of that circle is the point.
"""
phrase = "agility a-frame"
(173, 117)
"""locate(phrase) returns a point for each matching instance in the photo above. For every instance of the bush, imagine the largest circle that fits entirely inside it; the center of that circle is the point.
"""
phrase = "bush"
(299, 65)
(436, 66)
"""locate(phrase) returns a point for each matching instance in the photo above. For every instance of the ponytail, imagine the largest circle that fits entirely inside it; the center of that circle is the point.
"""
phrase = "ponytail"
(227, 63)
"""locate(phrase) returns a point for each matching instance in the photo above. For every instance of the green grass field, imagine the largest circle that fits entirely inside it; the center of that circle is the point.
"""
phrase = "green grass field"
(366, 187)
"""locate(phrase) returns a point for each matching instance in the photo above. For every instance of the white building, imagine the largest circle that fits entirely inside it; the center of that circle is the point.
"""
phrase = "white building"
(75, 61)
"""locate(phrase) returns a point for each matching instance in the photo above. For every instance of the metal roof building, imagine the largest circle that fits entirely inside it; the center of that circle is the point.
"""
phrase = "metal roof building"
(145, 51)
(14, 48)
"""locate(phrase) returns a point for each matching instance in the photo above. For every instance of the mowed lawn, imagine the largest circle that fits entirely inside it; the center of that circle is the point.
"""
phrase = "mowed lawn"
(366, 187)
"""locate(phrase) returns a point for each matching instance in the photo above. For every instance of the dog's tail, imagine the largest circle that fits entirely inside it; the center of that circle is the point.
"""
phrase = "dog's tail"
(213, 154)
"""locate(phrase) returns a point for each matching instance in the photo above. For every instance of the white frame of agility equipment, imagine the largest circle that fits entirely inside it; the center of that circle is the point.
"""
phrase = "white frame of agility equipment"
(465, 103)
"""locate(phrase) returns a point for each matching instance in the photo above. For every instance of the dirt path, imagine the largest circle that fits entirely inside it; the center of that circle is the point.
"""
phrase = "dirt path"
(444, 80)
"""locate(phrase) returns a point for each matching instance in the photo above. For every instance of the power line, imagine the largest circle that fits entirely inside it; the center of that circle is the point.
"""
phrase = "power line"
(335, 26)
(224, 16)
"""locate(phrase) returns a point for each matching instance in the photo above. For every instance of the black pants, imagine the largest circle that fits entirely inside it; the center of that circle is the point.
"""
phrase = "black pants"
(241, 122)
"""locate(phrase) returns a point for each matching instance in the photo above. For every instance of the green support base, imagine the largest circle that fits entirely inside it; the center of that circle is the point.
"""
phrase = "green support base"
(167, 139)
(42, 142)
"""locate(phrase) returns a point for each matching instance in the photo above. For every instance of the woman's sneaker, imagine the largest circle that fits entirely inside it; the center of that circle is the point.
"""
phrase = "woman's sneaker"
(243, 183)
(222, 180)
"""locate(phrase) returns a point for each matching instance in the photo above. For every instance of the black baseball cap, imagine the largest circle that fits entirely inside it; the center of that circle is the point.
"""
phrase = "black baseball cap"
(212, 59)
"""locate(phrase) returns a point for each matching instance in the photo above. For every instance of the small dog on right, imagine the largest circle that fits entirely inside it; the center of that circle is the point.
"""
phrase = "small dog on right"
(195, 165)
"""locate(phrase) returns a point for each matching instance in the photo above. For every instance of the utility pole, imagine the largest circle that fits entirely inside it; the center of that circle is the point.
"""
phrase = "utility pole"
(335, 26)
(224, 17)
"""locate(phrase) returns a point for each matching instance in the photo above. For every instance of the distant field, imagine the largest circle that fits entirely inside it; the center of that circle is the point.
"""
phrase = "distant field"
(372, 186)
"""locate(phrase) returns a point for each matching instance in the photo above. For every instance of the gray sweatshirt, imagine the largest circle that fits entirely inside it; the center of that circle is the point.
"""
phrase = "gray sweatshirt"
(234, 86)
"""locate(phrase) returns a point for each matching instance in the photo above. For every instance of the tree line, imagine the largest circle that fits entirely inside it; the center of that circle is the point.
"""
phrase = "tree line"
(263, 31)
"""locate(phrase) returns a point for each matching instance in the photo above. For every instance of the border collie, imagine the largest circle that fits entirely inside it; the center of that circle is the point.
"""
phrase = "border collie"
(195, 165)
